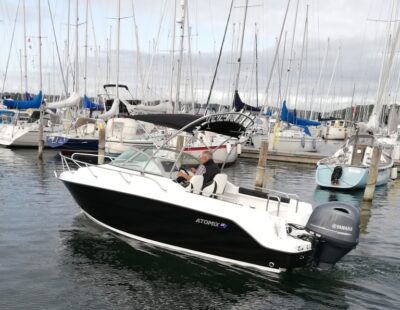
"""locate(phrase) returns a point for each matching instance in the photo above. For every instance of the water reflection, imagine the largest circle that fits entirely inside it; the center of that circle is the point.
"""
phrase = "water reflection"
(322, 195)
(136, 268)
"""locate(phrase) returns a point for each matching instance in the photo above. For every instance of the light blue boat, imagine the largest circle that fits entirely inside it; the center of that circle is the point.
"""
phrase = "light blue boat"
(348, 167)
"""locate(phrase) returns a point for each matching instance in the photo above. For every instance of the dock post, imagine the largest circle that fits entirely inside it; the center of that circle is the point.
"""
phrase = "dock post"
(179, 142)
(262, 163)
(372, 174)
(40, 141)
(102, 143)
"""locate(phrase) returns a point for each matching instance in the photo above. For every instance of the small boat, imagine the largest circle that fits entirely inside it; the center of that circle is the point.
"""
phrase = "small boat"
(123, 133)
(293, 139)
(348, 167)
(20, 128)
(137, 195)
(336, 129)
(84, 136)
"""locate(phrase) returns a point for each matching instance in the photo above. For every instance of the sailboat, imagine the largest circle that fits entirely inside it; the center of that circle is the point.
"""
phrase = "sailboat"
(348, 167)
(22, 127)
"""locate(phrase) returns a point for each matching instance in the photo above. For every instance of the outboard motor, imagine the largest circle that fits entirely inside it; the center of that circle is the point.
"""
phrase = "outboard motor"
(336, 228)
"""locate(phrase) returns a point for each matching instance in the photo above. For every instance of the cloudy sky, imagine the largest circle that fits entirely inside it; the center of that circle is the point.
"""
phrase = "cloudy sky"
(357, 32)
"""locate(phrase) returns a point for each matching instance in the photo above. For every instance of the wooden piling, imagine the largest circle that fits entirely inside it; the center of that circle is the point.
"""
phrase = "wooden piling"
(40, 140)
(372, 174)
(102, 143)
(262, 163)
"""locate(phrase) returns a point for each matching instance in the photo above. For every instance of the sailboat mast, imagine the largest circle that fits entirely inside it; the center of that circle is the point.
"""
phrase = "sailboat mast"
(190, 56)
(276, 55)
(118, 42)
(173, 54)
(256, 47)
(77, 48)
(139, 75)
(301, 59)
(67, 48)
(86, 44)
(316, 93)
(241, 46)
(291, 53)
(25, 53)
(180, 60)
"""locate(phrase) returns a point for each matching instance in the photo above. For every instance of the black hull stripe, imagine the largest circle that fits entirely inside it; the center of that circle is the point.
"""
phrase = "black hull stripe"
(177, 226)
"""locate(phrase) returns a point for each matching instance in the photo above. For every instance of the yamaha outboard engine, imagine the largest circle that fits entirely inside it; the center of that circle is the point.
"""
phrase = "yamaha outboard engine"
(336, 227)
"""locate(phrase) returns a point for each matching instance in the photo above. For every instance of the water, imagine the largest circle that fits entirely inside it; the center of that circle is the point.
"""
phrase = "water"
(53, 257)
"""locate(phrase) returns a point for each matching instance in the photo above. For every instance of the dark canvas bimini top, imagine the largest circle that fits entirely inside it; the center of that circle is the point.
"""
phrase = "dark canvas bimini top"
(214, 123)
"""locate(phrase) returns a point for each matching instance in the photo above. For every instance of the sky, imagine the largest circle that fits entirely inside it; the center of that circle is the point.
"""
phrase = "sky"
(357, 32)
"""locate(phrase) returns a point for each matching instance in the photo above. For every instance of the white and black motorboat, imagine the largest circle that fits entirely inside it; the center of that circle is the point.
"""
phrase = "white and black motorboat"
(136, 195)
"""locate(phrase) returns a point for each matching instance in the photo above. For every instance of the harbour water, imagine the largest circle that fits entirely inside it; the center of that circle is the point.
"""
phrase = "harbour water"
(53, 257)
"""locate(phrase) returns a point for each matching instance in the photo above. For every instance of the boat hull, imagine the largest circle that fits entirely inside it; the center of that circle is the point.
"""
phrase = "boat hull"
(10, 137)
(66, 143)
(352, 177)
(294, 144)
(179, 228)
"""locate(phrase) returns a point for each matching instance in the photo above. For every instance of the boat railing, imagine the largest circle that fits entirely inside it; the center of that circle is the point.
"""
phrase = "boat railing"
(280, 195)
(271, 195)
(278, 199)
(66, 162)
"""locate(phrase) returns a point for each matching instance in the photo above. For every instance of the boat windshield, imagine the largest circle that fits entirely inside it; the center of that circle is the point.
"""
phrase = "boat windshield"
(154, 161)
(362, 139)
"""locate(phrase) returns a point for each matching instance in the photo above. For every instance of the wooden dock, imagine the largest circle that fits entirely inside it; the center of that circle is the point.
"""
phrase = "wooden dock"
(298, 157)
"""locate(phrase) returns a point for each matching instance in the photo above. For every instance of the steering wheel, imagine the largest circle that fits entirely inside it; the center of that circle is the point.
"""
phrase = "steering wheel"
(184, 170)
(181, 180)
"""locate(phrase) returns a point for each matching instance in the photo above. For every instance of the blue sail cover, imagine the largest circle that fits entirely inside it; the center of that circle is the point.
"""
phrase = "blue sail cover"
(291, 118)
(238, 104)
(87, 104)
(24, 104)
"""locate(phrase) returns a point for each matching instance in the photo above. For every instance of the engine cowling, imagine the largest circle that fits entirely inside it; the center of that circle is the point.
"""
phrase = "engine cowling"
(336, 227)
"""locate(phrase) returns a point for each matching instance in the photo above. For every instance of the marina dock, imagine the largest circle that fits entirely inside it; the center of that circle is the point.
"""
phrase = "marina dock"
(307, 158)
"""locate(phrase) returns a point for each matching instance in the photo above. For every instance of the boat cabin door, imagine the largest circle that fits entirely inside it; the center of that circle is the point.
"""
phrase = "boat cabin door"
(358, 154)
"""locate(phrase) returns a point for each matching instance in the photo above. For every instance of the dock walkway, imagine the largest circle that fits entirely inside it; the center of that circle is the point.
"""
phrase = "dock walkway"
(298, 157)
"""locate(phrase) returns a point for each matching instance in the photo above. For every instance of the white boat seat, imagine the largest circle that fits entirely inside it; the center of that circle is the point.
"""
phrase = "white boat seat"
(221, 179)
(195, 184)
(217, 186)
(210, 190)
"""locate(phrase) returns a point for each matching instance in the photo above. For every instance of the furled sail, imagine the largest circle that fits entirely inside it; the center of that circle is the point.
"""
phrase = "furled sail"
(239, 105)
(87, 104)
(291, 118)
(24, 104)
(71, 101)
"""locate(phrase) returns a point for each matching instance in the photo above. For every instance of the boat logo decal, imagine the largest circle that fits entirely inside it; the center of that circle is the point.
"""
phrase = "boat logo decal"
(211, 223)
(342, 227)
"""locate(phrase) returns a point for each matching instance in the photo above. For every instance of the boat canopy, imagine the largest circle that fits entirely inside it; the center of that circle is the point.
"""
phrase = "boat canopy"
(87, 104)
(229, 124)
(24, 104)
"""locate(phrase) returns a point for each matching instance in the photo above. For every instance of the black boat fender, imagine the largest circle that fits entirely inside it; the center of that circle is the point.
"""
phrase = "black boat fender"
(336, 175)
